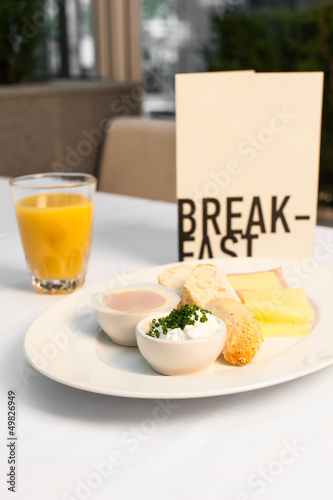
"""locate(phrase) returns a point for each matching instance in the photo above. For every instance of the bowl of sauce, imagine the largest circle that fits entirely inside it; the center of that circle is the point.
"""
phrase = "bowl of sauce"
(120, 309)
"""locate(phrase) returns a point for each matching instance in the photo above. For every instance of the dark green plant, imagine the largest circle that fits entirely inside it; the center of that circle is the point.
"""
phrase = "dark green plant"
(281, 41)
(157, 8)
(21, 31)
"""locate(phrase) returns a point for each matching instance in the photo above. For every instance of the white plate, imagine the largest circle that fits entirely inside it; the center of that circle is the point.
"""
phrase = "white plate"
(66, 344)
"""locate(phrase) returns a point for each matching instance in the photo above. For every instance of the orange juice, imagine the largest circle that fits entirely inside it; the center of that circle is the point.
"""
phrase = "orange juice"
(56, 232)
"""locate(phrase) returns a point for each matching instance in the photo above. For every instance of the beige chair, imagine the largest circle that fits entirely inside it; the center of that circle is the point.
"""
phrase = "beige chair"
(138, 159)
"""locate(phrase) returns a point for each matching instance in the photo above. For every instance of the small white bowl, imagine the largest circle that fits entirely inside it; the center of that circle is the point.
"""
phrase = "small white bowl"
(185, 357)
(120, 325)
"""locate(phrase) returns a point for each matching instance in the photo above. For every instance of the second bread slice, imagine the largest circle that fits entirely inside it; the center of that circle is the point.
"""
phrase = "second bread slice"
(206, 282)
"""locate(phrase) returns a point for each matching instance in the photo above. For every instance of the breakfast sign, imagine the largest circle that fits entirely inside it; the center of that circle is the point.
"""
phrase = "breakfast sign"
(248, 147)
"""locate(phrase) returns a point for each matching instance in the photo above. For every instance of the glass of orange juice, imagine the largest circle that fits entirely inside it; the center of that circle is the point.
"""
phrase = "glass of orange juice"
(54, 213)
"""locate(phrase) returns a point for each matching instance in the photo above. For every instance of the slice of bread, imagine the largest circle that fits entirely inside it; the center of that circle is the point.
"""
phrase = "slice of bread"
(206, 282)
(175, 277)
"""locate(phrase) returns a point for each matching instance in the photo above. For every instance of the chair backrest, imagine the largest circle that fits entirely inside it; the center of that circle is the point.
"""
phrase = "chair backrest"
(139, 158)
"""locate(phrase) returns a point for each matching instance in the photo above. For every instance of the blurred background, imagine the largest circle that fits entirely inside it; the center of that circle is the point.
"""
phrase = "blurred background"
(69, 66)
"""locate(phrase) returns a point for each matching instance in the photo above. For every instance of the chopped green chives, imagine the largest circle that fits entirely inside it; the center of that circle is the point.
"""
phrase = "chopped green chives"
(178, 318)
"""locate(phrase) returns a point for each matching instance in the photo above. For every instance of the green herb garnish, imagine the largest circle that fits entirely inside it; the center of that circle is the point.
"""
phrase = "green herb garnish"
(178, 318)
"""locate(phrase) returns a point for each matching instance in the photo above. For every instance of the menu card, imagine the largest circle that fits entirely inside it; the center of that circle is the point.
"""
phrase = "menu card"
(248, 147)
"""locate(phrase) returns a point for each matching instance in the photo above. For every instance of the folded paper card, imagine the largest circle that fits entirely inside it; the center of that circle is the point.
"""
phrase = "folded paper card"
(248, 149)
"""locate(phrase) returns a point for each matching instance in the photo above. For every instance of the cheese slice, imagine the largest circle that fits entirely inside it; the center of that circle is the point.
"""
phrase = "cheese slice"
(262, 280)
(280, 312)
(275, 330)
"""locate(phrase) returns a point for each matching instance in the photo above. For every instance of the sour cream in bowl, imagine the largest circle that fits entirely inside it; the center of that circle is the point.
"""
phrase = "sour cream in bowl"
(120, 309)
(183, 342)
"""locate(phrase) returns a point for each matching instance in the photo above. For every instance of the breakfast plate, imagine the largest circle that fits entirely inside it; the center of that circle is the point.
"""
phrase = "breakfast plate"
(66, 344)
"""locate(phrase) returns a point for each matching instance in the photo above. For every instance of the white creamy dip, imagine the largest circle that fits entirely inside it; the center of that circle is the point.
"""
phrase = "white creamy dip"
(192, 332)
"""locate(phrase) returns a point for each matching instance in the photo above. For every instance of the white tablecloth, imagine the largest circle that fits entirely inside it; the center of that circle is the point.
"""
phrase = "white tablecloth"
(274, 443)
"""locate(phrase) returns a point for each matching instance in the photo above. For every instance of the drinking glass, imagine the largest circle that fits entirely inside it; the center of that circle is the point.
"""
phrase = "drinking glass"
(54, 213)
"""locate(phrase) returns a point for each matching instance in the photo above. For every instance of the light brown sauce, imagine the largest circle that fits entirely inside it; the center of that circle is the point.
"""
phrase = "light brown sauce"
(134, 300)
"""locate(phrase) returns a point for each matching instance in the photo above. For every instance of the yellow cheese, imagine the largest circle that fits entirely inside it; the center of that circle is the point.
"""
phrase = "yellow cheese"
(262, 280)
(280, 312)
(270, 330)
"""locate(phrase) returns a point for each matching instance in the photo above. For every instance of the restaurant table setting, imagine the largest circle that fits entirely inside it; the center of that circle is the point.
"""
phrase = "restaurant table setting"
(274, 442)
(159, 350)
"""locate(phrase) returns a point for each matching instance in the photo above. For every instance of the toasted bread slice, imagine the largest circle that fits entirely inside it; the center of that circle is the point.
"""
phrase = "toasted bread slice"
(244, 336)
(206, 282)
(175, 277)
